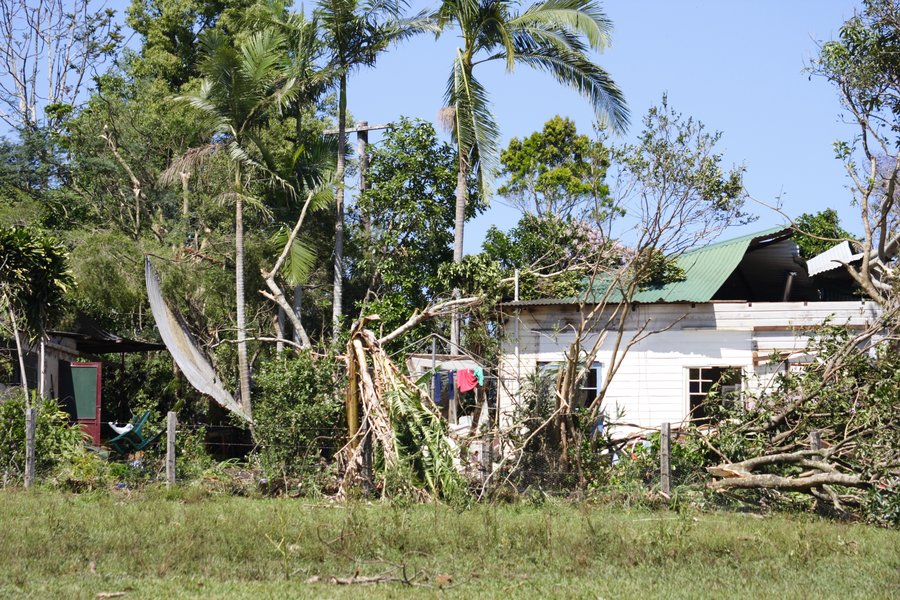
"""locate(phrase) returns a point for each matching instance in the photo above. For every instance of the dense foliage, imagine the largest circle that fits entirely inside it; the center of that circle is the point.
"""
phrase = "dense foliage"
(59, 446)
(299, 414)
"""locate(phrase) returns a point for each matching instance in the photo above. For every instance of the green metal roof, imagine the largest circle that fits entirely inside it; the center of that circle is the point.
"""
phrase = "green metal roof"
(705, 270)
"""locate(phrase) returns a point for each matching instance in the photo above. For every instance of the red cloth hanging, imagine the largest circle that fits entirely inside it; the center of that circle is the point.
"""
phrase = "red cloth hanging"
(466, 380)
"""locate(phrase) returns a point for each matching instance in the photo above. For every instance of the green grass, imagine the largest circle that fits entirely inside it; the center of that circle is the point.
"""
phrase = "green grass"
(189, 545)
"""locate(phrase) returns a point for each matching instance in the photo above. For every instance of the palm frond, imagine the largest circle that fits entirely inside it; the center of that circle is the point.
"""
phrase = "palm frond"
(301, 259)
(574, 70)
(313, 163)
(583, 17)
(251, 203)
(260, 54)
(190, 162)
(239, 154)
(476, 130)
(492, 30)
(422, 22)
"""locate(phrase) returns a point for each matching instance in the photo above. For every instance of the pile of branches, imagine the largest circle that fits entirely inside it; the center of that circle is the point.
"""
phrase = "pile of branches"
(831, 431)
(401, 437)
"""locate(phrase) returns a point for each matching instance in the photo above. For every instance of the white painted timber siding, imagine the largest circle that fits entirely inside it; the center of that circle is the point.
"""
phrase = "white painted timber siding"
(650, 386)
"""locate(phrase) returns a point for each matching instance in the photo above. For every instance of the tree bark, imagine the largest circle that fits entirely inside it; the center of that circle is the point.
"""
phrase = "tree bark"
(243, 364)
(460, 222)
(337, 311)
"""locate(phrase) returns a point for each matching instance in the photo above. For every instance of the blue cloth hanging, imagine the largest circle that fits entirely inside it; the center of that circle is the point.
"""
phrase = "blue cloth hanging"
(438, 391)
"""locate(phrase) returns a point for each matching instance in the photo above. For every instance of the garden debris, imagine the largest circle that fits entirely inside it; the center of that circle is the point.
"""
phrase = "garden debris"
(399, 426)
(740, 474)
(397, 574)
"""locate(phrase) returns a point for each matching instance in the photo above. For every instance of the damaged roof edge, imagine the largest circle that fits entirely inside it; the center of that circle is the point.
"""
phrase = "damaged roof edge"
(706, 269)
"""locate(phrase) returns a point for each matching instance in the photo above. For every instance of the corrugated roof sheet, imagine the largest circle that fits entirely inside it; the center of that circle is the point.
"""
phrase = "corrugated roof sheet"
(181, 344)
(705, 269)
(832, 258)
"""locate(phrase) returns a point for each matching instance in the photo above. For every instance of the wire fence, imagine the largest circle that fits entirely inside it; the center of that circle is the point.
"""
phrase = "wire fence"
(196, 449)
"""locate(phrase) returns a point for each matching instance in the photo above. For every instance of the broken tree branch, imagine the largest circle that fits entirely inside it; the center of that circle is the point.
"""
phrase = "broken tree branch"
(431, 312)
(277, 295)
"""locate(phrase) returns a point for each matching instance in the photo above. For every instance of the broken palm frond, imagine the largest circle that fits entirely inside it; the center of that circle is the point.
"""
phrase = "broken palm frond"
(399, 425)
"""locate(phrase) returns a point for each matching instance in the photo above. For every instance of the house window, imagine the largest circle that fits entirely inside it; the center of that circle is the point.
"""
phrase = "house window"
(707, 385)
(590, 387)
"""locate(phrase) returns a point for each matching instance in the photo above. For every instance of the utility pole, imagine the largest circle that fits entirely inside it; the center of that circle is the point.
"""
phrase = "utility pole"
(362, 130)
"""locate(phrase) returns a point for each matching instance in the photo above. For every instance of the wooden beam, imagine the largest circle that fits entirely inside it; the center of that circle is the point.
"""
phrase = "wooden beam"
(362, 127)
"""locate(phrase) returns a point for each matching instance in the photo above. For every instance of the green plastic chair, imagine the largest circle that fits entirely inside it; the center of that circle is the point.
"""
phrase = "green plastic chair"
(134, 440)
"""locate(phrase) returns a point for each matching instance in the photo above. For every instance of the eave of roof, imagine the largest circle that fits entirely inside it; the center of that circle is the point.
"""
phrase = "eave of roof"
(90, 338)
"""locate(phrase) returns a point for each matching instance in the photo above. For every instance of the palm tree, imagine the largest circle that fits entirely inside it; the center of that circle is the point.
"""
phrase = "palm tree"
(356, 33)
(241, 90)
(554, 36)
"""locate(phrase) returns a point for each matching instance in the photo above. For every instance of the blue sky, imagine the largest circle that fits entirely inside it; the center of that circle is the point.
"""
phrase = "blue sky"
(736, 65)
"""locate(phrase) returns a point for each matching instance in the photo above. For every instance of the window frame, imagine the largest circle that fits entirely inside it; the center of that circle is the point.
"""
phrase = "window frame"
(596, 369)
(690, 409)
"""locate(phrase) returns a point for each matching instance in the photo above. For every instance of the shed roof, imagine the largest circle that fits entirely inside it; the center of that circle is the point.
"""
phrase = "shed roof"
(89, 337)
(705, 271)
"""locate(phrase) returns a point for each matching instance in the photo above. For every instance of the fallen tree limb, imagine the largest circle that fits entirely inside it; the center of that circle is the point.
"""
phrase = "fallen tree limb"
(802, 457)
(276, 295)
(795, 484)
(363, 579)
(740, 475)
(431, 312)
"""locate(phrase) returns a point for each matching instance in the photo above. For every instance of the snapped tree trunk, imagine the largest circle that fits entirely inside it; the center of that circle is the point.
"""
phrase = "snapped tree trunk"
(337, 311)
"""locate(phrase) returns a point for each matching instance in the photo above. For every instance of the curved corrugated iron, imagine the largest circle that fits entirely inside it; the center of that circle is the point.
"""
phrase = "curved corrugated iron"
(192, 362)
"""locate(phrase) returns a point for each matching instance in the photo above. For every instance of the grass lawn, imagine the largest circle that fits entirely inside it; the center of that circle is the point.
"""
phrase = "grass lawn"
(184, 544)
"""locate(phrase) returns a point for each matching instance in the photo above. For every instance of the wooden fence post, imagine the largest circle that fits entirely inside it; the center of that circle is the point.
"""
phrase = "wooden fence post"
(665, 470)
(171, 422)
(30, 423)
(815, 440)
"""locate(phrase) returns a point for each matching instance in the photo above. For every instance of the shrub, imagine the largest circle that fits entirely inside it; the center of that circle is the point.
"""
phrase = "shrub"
(59, 447)
(298, 412)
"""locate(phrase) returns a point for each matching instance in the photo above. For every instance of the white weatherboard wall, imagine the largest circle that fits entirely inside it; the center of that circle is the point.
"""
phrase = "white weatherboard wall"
(650, 386)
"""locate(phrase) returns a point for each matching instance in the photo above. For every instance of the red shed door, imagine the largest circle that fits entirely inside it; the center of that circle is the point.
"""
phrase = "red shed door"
(86, 388)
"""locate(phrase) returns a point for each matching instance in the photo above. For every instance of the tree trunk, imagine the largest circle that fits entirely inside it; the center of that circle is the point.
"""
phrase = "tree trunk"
(461, 197)
(337, 311)
(243, 365)
(22, 372)
(297, 306)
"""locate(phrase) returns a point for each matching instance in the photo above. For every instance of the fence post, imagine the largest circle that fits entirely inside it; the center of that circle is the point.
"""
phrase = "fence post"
(30, 418)
(171, 422)
(815, 440)
(665, 471)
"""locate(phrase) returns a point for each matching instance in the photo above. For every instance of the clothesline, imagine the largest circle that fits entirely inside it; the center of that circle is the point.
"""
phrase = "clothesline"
(462, 352)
